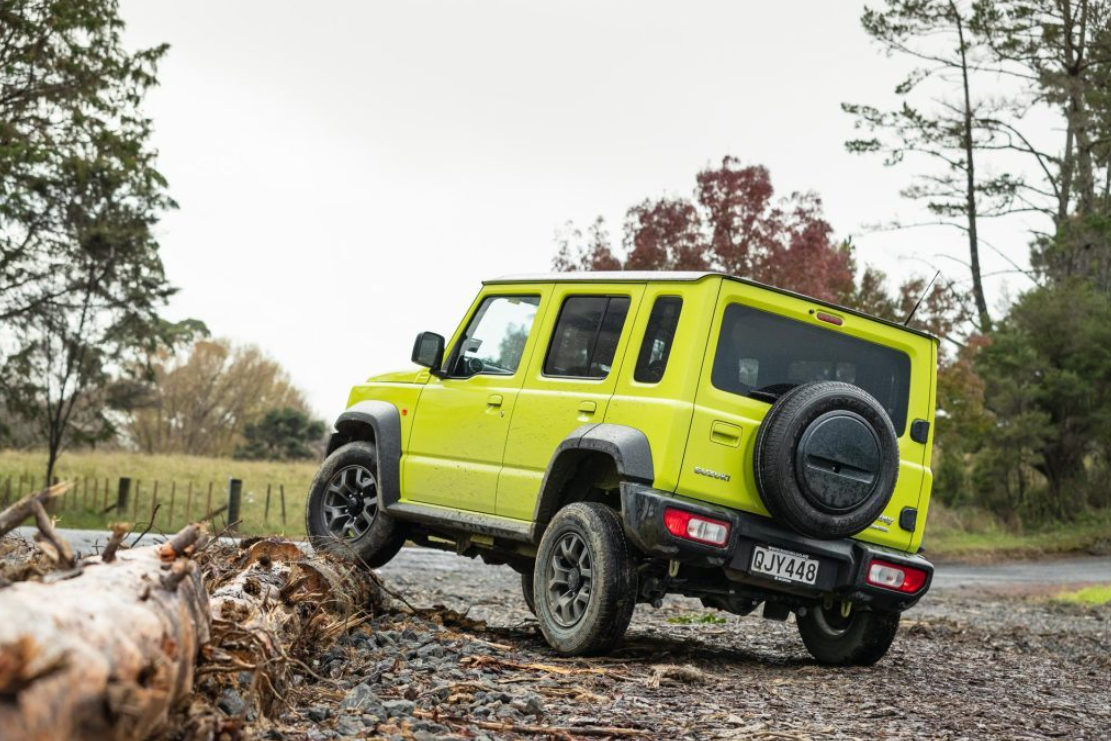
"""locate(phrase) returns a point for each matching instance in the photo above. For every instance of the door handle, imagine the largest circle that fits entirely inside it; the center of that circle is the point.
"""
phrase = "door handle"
(724, 433)
(588, 407)
(494, 400)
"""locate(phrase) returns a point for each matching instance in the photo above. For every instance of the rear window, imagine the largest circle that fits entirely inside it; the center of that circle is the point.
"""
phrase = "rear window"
(762, 355)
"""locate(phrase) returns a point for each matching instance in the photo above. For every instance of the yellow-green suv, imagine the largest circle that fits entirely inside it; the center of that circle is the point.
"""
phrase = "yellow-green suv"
(617, 437)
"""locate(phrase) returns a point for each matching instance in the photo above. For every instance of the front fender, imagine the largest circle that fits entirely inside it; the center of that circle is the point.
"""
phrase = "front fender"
(381, 422)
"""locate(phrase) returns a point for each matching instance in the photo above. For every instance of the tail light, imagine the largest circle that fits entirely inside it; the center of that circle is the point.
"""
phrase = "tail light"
(694, 527)
(887, 575)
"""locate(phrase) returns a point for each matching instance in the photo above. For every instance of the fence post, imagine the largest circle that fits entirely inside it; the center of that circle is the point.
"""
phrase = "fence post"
(235, 498)
(266, 512)
(96, 491)
(173, 491)
(281, 491)
(106, 482)
(123, 496)
(138, 496)
(154, 504)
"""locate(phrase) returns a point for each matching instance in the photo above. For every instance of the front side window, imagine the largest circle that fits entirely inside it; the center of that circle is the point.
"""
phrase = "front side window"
(762, 355)
(586, 336)
(495, 339)
(658, 338)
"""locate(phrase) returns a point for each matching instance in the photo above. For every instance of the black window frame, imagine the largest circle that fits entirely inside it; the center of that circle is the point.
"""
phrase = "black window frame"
(453, 356)
(645, 351)
(597, 335)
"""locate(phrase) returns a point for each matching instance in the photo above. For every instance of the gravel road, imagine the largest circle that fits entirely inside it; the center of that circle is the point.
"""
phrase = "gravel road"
(985, 656)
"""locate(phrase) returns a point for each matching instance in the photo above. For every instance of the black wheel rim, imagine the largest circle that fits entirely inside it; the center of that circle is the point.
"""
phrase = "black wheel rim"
(832, 622)
(570, 580)
(350, 502)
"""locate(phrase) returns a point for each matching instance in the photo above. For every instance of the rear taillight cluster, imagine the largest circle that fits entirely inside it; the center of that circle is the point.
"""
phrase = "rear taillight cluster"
(689, 526)
(896, 577)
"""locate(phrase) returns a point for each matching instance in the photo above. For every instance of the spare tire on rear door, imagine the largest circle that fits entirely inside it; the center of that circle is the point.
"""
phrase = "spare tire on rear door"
(826, 459)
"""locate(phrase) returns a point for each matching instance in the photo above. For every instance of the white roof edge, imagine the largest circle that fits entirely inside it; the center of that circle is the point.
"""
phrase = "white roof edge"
(607, 276)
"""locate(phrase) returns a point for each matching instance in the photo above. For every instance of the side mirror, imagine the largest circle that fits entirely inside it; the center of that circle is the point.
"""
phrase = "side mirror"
(428, 351)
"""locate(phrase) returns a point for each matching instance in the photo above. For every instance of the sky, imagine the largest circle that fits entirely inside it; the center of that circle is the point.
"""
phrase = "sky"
(349, 172)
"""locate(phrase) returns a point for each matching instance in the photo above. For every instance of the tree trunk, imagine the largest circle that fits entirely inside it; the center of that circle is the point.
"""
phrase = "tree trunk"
(105, 654)
(970, 186)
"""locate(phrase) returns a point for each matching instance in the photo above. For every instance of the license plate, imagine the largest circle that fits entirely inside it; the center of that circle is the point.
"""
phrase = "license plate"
(784, 565)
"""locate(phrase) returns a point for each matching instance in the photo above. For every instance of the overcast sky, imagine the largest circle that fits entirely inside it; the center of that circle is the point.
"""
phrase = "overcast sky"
(348, 172)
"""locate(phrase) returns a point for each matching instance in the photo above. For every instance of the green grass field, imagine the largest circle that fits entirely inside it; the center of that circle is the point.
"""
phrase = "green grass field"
(1094, 595)
(174, 475)
(983, 539)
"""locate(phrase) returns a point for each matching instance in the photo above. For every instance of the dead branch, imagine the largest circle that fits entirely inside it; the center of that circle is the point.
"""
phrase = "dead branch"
(15, 514)
(119, 532)
(46, 529)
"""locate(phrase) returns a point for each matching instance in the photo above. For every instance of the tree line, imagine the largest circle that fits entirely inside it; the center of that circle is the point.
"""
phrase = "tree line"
(85, 351)
(1005, 113)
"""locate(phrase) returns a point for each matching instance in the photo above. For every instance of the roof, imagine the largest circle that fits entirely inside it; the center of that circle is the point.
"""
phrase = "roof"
(684, 276)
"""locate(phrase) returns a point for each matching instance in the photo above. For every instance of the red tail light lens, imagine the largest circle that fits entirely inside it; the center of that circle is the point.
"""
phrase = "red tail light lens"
(690, 526)
(898, 578)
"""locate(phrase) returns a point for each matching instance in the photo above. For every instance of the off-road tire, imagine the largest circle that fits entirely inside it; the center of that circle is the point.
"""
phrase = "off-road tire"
(385, 536)
(613, 580)
(863, 642)
(779, 477)
(526, 591)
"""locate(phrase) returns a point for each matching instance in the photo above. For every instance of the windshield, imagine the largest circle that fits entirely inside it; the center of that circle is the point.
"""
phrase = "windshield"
(762, 355)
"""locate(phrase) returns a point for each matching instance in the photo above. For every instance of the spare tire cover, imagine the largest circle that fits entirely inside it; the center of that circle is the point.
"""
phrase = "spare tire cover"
(826, 459)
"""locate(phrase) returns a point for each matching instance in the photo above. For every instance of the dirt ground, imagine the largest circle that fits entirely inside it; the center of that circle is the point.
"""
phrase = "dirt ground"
(968, 664)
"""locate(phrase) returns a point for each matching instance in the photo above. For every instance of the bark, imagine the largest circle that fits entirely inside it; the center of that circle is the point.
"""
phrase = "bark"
(970, 186)
(105, 654)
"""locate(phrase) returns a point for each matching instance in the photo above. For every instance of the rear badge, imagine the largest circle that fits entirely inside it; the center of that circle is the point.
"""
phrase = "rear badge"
(712, 474)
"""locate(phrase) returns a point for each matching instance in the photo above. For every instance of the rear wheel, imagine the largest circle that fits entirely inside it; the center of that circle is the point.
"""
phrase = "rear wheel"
(344, 516)
(526, 590)
(584, 583)
(841, 636)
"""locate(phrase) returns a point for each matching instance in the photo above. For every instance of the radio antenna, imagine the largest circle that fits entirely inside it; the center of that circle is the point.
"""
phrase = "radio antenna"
(919, 302)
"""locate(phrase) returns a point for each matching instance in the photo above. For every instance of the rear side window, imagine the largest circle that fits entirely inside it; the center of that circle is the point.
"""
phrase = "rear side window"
(658, 338)
(586, 336)
(762, 355)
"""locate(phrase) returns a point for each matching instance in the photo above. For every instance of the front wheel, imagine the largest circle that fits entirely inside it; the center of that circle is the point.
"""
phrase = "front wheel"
(839, 635)
(344, 516)
(584, 582)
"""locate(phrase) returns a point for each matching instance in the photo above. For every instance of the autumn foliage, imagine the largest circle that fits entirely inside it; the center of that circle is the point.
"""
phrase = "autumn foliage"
(733, 223)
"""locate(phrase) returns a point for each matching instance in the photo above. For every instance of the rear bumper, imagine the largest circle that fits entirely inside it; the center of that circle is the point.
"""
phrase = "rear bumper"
(843, 566)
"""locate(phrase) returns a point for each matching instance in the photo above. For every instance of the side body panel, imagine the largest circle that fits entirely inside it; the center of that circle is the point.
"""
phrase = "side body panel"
(927, 456)
(717, 465)
(663, 410)
(549, 408)
(454, 452)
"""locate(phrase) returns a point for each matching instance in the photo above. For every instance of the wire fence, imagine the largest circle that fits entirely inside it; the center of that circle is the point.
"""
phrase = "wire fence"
(162, 504)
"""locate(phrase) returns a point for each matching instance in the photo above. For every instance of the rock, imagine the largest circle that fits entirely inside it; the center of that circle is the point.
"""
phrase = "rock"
(319, 713)
(433, 650)
(350, 725)
(395, 708)
(231, 702)
(361, 699)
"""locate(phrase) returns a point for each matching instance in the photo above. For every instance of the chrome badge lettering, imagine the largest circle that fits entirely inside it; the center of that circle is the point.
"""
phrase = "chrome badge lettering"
(712, 474)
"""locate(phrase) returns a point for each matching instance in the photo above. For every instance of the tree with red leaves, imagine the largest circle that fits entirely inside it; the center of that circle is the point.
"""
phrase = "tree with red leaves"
(735, 225)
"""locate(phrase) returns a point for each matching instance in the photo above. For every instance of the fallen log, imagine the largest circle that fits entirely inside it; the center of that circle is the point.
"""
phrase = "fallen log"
(271, 606)
(104, 654)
